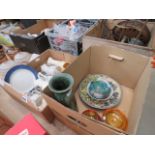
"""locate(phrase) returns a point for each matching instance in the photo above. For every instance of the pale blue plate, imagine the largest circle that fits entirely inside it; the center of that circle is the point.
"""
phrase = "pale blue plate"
(99, 90)
(22, 78)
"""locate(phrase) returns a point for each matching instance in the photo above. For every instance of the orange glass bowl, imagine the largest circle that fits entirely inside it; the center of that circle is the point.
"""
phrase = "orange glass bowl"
(115, 118)
(92, 114)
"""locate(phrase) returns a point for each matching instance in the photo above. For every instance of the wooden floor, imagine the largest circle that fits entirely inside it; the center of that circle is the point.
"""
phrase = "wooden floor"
(14, 111)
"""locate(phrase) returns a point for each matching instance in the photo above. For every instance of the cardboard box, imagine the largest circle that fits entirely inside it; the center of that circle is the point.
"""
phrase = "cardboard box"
(94, 41)
(134, 74)
(73, 47)
(34, 45)
(110, 23)
(27, 126)
(5, 123)
(43, 110)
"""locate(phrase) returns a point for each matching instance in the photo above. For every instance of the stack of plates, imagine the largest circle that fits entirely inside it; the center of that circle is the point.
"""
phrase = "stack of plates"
(100, 91)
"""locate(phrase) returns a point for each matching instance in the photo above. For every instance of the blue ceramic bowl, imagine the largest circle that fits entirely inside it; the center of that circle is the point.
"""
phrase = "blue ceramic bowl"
(99, 90)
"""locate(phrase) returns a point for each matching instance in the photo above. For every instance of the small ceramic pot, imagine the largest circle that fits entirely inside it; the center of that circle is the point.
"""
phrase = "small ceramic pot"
(61, 87)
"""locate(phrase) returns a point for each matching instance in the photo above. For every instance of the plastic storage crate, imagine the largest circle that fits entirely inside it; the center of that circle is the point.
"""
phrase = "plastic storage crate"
(74, 47)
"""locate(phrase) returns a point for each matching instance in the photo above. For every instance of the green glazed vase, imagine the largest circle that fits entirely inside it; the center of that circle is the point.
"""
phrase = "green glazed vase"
(61, 87)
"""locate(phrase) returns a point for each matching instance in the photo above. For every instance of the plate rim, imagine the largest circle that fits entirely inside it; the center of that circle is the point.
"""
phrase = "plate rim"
(18, 67)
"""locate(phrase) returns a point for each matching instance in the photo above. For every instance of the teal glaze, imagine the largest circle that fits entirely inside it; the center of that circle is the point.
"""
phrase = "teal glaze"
(99, 89)
(61, 87)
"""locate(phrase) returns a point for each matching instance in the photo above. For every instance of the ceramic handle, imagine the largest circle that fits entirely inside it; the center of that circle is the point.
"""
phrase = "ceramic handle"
(115, 57)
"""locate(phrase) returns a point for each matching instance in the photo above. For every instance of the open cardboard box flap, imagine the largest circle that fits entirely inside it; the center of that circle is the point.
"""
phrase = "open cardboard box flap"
(131, 70)
(89, 41)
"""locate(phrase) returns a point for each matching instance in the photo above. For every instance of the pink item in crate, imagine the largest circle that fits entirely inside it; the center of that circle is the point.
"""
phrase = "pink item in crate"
(27, 126)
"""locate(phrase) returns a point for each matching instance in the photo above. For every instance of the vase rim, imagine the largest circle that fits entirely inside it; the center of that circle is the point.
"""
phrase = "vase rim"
(61, 75)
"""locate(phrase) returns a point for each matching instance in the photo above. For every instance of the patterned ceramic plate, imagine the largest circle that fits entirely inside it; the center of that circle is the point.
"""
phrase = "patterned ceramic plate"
(113, 101)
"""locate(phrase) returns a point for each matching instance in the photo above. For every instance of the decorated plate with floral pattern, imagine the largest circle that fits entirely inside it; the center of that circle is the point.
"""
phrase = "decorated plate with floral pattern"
(112, 100)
